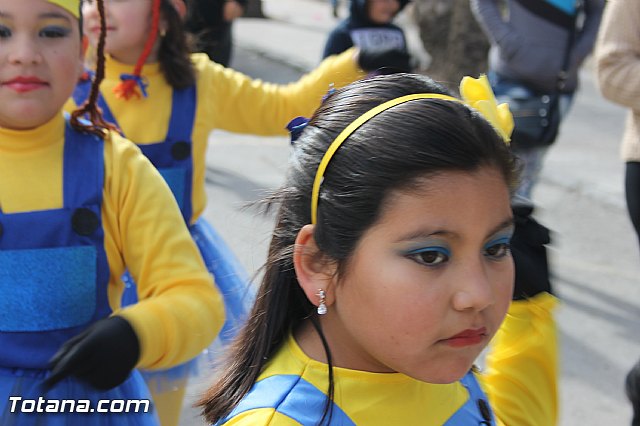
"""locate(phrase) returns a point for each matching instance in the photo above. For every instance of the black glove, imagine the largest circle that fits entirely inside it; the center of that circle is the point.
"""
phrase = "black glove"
(529, 254)
(103, 355)
(394, 60)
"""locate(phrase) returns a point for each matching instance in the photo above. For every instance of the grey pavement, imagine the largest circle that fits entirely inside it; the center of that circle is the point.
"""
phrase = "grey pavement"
(595, 255)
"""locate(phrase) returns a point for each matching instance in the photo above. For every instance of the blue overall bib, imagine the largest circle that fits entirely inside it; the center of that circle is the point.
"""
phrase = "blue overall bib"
(173, 159)
(303, 402)
(53, 285)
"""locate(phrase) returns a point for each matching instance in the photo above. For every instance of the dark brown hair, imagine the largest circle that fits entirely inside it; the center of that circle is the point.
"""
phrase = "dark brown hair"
(174, 52)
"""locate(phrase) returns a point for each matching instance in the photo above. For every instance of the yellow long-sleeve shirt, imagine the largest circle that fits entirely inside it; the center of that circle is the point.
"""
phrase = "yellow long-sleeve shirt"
(180, 311)
(226, 100)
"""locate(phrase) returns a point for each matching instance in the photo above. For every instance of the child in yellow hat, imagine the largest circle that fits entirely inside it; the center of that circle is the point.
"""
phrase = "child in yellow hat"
(78, 205)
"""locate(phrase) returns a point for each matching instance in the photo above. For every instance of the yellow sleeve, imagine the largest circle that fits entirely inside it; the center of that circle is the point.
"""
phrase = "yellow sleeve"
(521, 377)
(240, 104)
(180, 310)
(261, 417)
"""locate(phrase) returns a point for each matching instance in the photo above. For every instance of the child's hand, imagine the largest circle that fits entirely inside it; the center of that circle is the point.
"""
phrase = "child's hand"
(103, 355)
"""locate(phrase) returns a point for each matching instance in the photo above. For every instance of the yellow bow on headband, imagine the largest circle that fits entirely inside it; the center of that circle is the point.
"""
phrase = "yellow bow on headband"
(475, 92)
(72, 6)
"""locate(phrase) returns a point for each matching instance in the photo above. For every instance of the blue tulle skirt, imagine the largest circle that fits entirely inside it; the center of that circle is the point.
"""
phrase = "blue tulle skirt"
(238, 295)
(72, 402)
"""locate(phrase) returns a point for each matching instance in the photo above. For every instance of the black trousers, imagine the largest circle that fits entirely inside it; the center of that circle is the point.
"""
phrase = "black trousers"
(632, 191)
(216, 43)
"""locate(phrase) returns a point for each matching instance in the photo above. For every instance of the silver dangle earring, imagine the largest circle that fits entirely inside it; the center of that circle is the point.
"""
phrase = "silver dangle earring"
(322, 307)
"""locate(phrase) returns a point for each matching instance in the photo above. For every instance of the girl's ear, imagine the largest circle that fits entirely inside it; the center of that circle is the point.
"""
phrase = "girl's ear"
(313, 270)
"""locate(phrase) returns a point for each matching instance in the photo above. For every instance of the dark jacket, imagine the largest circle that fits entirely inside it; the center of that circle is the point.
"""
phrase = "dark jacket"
(358, 30)
(528, 44)
(206, 15)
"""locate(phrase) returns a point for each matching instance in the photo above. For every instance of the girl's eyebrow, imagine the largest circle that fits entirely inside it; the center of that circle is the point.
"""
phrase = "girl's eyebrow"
(54, 15)
(508, 223)
(424, 234)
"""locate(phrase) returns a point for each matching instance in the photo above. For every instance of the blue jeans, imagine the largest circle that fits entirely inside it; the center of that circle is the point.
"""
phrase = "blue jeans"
(530, 158)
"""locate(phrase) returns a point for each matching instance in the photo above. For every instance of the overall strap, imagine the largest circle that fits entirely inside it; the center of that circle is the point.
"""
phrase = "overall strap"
(183, 113)
(293, 397)
(83, 162)
(83, 186)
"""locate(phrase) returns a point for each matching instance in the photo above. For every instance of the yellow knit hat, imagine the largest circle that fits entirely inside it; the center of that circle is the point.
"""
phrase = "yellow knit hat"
(73, 6)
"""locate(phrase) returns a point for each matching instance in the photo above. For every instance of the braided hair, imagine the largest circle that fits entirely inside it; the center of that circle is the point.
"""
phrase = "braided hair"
(88, 116)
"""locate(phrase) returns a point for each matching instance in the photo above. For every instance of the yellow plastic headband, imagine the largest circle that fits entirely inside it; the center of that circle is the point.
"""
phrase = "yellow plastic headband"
(475, 92)
(72, 6)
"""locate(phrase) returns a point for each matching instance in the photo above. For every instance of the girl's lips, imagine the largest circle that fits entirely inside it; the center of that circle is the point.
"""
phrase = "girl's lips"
(25, 84)
(468, 337)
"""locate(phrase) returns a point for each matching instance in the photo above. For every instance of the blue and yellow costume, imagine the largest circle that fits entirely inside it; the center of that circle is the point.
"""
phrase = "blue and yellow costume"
(520, 382)
(522, 366)
(172, 157)
(182, 121)
(75, 212)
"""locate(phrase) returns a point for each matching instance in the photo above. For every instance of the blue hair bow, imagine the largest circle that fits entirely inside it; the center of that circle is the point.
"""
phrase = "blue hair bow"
(296, 126)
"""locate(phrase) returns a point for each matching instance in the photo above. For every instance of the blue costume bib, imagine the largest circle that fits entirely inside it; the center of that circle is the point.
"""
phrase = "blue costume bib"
(53, 285)
(301, 401)
(53, 267)
(172, 156)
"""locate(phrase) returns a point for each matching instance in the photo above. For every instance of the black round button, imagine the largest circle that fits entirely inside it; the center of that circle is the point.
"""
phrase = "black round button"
(181, 150)
(485, 412)
(84, 221)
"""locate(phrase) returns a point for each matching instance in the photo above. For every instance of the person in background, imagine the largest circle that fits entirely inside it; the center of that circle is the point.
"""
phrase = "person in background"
(78, 205)
(529, 39)
(210, 22)
(390, 270)
(617, 57)
(369, 27)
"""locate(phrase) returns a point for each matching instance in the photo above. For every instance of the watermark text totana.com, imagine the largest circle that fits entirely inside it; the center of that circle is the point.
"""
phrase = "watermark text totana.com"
(42, 405)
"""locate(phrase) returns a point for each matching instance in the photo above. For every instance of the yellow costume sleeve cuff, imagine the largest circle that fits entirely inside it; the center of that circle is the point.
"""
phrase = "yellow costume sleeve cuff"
(521, 377)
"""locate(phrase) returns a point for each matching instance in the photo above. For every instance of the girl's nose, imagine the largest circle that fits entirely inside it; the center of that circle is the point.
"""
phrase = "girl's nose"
(25, 50)
(475, 289)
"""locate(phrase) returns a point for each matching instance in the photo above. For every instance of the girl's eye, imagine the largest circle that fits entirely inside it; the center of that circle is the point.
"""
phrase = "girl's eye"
(54, 32)
(5, 32)
(498, 250)
(430, 256)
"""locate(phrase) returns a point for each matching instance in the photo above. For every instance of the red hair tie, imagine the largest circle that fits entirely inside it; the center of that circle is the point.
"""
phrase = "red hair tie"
(132, 85)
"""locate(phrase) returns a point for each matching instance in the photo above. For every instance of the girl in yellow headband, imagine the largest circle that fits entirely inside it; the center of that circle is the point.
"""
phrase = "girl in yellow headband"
(390, 271)
(78, 205)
